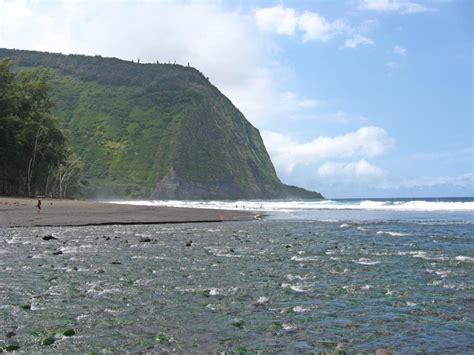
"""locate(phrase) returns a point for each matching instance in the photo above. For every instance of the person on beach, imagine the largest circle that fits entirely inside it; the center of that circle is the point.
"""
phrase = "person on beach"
(39, 206)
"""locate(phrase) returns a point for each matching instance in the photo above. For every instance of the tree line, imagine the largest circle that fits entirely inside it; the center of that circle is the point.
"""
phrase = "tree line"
(35, 158)
(108, 71)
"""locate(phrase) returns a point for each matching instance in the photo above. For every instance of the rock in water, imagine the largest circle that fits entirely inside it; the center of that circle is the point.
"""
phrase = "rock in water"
(49, 237)
(69, 333)
(10, 334)
(12, 347)
(238, 323)
(340, 348)
(48, 341)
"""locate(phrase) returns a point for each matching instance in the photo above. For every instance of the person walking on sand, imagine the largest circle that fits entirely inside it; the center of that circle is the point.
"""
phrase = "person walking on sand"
(39, 206)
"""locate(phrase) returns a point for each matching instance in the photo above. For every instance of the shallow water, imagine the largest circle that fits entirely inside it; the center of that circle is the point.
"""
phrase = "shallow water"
(270, 285)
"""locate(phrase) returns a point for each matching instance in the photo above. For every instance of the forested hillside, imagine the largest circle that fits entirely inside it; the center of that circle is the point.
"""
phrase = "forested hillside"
(34, 155)
(154, 130)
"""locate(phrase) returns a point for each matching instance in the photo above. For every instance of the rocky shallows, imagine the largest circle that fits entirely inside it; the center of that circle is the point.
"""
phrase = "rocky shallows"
(271, 286)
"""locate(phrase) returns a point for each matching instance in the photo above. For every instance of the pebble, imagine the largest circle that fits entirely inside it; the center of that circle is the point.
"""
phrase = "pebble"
(162, 339)
(10, 334)
(48, 341)
(340, 348)
(12, 347)
(383, 352)
(239, 323)
(49, 237)
(69, 332)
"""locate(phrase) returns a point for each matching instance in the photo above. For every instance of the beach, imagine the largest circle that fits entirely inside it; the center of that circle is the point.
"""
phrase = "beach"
(22, 212)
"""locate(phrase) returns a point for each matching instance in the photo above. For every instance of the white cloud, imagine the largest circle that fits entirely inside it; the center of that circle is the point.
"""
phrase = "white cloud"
(287, 21)
(356, 41)
(317, 28)
(277, 19)
(342, 117)
(224, 44)
(291, 101)
(262, 100)
(399, 6)
(352, 171)
(392, 65)
(287, 153)
(402, 51)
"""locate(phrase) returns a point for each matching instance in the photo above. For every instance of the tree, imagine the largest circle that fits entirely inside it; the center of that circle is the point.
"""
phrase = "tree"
(8, 122)
(68, 175)
(31, 142)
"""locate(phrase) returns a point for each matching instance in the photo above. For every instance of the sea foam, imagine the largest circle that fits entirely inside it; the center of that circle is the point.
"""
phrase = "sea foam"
(289, 206)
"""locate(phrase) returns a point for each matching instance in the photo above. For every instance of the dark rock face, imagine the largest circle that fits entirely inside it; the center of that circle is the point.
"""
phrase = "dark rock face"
(173, 187)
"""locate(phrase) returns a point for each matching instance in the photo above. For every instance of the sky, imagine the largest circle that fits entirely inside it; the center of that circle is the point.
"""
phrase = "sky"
(353, 98)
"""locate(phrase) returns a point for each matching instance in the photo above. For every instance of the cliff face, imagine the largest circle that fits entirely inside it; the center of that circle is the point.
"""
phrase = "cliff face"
(156, 130)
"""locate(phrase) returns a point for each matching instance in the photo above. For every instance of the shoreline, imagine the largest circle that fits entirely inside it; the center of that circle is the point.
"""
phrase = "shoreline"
(22, 212)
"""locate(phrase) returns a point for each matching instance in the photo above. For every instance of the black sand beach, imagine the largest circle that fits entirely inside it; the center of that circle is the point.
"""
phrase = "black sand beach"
(21, 212)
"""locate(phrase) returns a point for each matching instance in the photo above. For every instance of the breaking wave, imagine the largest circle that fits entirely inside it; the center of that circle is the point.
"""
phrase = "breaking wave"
(289, 206)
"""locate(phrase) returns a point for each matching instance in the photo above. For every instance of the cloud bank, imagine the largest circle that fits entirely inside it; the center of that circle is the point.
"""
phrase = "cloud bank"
(287, 21)
(309, 26)
(366, 142)
(359, 170)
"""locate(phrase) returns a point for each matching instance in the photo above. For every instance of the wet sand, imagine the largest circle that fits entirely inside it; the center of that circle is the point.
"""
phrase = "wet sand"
(22, 212)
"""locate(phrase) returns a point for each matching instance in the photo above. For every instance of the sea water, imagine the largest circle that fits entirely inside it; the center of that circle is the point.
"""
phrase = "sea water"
(357, 275)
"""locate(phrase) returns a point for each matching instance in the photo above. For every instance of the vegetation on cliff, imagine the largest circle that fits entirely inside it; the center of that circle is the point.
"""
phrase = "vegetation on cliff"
(34, 154)
(159, 130)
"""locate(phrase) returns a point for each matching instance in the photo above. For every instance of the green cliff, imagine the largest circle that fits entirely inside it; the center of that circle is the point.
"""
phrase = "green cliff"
(156, 130)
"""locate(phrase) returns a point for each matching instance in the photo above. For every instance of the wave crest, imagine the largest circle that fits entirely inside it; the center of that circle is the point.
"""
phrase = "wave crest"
(288, 206)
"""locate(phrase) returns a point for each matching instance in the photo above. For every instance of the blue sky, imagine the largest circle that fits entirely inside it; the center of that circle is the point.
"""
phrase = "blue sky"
(356, 98)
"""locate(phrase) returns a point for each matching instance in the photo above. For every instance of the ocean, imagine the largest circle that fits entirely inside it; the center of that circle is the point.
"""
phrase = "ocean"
(357, 275)
(461, 208)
